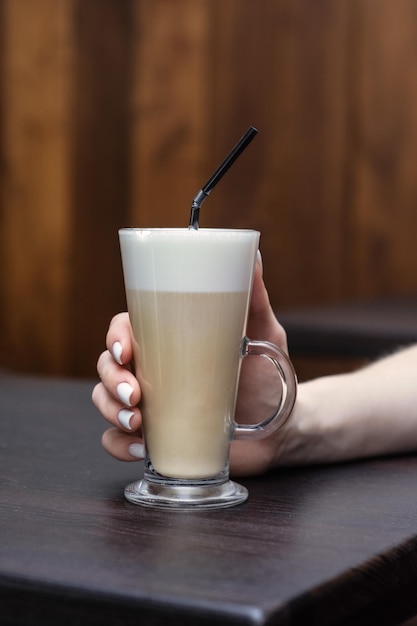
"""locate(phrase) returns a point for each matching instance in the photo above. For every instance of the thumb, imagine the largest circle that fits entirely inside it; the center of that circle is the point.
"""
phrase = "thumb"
(262, 323)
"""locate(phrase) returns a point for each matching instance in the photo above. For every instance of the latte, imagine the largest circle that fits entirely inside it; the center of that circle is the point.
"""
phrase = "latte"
(188, 294)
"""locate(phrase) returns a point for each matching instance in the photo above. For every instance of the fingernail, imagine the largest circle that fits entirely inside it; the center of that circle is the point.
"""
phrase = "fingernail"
(259, 259)
(137, 450)
(117, 352)
(124, 391)
(124, 416)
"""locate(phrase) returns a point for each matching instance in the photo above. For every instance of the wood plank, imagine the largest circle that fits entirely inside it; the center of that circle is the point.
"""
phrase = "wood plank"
(383, 150)
(36, 129)
(100, 199)
(170, 105)
(3, 256)
(283, 67)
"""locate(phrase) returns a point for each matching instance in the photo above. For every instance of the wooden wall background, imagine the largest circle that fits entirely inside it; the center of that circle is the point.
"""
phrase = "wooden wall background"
(114, 113)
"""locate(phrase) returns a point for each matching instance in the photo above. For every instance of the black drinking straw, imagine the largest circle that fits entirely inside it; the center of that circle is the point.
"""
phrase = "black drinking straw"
(218, 174)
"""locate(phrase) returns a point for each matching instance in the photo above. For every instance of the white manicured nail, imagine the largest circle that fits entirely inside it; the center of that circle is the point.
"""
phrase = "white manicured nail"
(124, 416)
(137, 450)
(124, 391)
(259, 259)
(117, 352)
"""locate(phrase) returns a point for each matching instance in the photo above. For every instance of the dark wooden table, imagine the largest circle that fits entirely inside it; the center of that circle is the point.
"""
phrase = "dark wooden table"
(324, 545)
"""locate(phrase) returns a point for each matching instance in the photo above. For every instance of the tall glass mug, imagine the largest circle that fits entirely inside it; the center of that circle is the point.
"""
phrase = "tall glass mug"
(188, 294)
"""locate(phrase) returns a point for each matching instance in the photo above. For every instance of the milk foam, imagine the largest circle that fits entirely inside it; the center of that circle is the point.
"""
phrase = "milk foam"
(184, 260)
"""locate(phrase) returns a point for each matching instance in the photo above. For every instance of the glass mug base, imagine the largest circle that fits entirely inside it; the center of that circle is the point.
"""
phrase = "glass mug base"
(182, 497)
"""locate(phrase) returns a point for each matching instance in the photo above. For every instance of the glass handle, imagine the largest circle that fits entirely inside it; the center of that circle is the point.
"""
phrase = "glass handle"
(288, 383)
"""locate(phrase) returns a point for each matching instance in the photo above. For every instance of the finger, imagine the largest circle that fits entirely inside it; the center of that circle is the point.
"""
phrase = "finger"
(128, 419)
(120, 383)
(262, 322)
(119, 339)
(123, 446)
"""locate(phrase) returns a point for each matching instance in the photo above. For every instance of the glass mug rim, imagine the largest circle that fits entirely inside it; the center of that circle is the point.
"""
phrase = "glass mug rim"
(181, 231)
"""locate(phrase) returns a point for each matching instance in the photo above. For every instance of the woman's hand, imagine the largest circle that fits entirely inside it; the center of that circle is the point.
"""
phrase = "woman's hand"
(118, 394)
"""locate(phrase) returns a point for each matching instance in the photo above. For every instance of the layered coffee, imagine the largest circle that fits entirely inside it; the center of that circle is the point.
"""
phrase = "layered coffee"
(188, 294)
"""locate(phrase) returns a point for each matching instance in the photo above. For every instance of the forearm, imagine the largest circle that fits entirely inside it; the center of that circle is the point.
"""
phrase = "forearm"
(369, 412)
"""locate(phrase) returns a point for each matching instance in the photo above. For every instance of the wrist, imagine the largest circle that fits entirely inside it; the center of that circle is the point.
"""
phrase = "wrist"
(317, 431)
